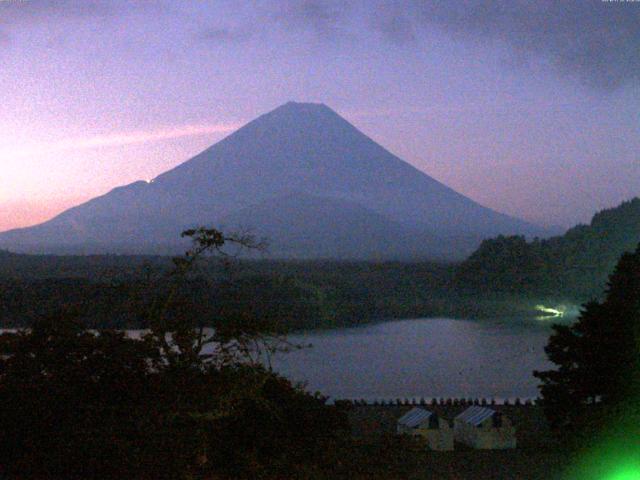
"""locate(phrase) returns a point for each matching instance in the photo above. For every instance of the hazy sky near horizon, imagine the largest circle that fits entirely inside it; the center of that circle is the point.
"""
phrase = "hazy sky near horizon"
(531, 108)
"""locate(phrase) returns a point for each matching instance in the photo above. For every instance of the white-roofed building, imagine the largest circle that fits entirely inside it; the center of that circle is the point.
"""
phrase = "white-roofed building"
(435, 431)
(484, 428)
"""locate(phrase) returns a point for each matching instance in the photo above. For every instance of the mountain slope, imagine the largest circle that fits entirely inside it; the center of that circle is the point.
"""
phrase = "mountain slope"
(576, 264)
(296, 148)
(307, 226)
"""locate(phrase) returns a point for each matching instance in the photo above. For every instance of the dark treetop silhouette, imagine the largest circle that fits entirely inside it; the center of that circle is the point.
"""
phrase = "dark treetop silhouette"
(597, 358)
(86, 404)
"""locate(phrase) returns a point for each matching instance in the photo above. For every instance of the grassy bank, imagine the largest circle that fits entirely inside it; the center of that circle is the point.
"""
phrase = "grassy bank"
(381, 454)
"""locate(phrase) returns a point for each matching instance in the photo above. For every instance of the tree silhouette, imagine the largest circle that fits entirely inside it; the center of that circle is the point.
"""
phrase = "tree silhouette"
(176, 402)
(598, 357)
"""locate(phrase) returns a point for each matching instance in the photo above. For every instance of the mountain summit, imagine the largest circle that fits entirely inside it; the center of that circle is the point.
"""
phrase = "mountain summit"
(302, 176)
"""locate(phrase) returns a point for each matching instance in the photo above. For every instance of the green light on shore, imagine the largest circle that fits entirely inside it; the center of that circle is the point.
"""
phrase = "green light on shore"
(552, 312)
(631, 472)
(613, 453)
(602, 466)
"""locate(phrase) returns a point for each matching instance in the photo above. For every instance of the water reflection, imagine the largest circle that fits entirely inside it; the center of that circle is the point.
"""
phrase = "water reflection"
(437, 357)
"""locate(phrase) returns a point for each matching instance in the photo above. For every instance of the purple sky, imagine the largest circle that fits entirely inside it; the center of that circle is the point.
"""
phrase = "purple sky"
(531, 108)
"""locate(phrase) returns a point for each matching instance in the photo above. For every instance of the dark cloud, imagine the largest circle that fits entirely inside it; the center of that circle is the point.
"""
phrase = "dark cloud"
(24, 13)
(325, 17)
(396, 27)
(36, 10)
(597, 41)
(225, 35)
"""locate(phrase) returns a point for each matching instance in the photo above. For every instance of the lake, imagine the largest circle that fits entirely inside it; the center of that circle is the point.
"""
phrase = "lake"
(434, 357)
(429, 357)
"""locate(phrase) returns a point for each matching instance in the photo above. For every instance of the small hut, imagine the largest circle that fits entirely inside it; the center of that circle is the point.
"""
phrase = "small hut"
(484, 428)
(435, 431)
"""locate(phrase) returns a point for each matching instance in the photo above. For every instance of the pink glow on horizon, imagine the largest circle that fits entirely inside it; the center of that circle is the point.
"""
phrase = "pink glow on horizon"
(12, 152)
(34, 176)
(19, 214)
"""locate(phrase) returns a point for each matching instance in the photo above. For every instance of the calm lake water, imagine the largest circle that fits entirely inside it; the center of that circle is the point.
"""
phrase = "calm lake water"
(430, 357)
(435, 357)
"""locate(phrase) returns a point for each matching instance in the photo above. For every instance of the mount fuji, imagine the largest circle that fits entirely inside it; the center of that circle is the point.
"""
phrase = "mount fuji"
(300, 175)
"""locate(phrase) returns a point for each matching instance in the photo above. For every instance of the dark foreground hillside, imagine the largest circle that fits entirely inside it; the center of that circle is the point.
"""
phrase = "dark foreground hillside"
(407, 462)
